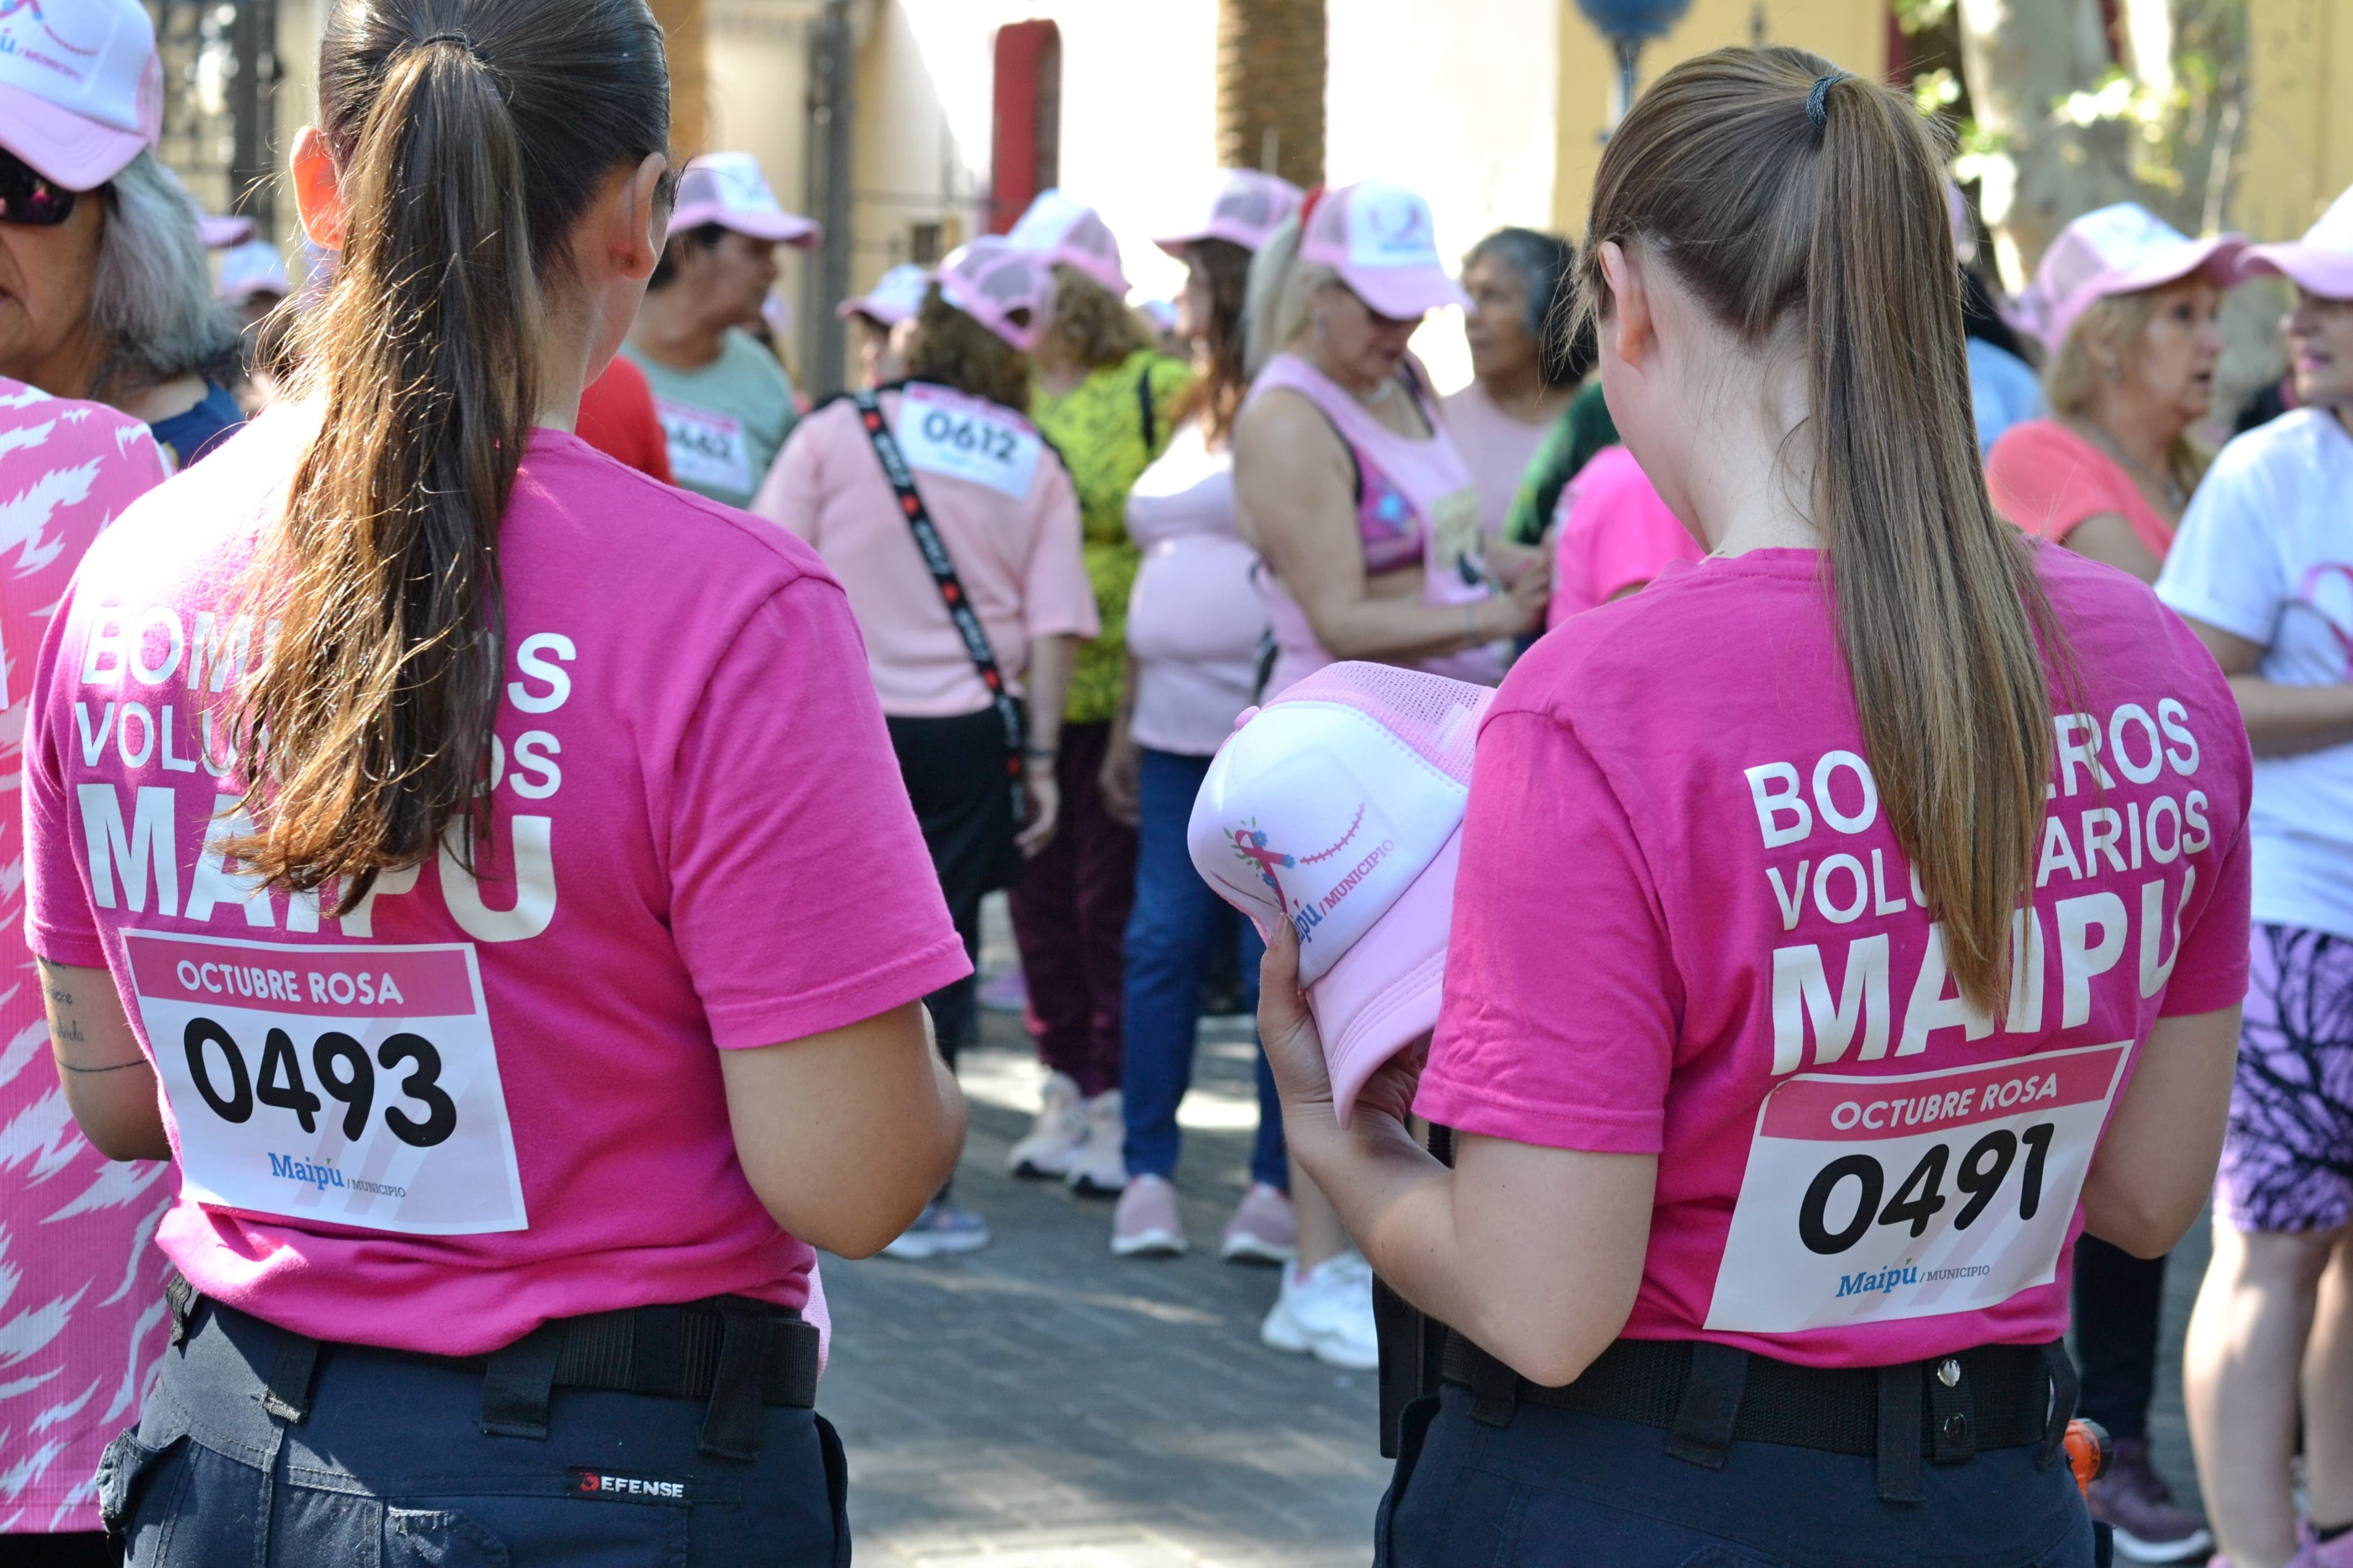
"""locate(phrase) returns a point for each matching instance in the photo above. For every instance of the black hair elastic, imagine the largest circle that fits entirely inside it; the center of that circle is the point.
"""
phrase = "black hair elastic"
(1817, 102)
(461, 39)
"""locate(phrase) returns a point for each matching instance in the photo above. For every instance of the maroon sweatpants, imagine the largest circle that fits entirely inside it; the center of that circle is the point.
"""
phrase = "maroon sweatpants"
(1069, 920)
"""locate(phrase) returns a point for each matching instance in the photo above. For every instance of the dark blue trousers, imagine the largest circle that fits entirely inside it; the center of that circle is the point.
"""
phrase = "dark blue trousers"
(1558, 1489)
(390, 1468)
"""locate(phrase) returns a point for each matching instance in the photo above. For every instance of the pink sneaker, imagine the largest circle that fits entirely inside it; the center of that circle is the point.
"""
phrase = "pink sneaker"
(1146, 1224)
(2316, 1552)
(1261, 1230)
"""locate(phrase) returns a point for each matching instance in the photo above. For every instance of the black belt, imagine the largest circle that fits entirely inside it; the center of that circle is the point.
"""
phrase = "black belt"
(1705, 1397)
(736, 1353)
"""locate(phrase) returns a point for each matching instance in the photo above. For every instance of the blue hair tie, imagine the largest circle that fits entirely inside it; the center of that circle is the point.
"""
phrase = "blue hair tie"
(1817, 102)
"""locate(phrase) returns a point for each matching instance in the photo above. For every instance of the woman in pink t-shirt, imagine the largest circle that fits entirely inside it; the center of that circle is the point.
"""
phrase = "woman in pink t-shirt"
(1611, 535)
(1823, 960)
(482, 869)
(1002, 508)
(2125, 307)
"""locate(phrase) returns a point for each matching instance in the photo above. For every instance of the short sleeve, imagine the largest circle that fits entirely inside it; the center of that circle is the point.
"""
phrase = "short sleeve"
(802, 898)
(2225, 567)
(1057, 597)
(1559, 1021)
(2041, 482)
(59, 924)
(788, 496)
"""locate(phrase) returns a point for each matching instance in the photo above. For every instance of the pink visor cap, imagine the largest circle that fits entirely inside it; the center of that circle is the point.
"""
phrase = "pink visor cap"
(2119, 250)
(896, 295)
(1380, 239)
(2320, 263)
(993, 281)
(728, 189)
(1248, 208)
(81, 90)
(1338, 806)
(1069, 235)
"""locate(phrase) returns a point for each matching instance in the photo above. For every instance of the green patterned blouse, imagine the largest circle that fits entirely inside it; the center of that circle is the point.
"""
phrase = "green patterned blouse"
(1109, 428)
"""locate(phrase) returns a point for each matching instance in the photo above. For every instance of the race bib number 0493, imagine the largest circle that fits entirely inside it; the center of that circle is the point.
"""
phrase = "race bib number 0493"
(1871, 1199)
(354, 1084)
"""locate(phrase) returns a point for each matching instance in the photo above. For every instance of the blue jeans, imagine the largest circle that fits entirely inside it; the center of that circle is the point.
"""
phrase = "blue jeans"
(1559, 1488)
(1169, 933)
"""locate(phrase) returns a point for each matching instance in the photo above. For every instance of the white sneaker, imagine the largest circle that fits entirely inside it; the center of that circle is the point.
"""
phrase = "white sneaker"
(1326, 1312)
(1056, 1137)
(1100, 1168)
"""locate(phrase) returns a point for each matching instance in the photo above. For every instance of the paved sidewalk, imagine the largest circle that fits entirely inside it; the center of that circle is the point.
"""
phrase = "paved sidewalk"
(1041, 1404)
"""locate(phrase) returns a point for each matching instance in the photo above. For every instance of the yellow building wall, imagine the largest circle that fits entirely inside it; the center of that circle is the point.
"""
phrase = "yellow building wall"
(2299, 129)
(1852, 33)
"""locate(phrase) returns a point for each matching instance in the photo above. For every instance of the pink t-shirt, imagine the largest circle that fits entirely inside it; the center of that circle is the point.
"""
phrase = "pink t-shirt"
(1497, 447)
(1005, 508)
(1852, 1169)
(2046, 479)
(1611, 533)
(1195, 624)
(484, 1099)
(74, 1225)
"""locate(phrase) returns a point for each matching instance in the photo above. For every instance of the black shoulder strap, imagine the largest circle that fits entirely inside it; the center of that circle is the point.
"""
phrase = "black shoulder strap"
(951, 594)
(1151, 415)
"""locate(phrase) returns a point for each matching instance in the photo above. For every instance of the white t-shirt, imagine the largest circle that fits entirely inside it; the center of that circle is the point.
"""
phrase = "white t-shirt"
(2265, 553)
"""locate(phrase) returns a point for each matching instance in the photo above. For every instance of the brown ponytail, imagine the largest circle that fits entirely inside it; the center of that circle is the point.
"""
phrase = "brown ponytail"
(1721, 171)
(470, 135)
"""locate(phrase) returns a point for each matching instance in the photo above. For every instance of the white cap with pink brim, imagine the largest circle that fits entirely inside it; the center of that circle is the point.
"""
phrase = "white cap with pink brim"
(728, 189)
(1382, 242)
(2320, 263)
(1338, 806)
(1248, 208)
(2118, 249)
(1007, 289)
(896, 295)
(82, 88)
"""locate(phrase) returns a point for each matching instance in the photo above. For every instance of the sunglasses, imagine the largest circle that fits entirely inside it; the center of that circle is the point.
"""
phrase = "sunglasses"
(30, 200)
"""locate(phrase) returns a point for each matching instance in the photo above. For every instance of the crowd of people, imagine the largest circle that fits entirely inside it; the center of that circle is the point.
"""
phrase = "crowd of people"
(1806, 552)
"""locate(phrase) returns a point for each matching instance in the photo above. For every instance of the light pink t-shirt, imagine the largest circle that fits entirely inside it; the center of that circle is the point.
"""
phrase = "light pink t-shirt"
(486, 1099)
(1611, 533)
(1005, 508)
(2047, 480)
(1671, 793)
(74, 1225)
(1497, 447)
(1195, 624)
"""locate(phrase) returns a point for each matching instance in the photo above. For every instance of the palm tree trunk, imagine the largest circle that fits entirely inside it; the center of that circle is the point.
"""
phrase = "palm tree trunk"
(1270, 87)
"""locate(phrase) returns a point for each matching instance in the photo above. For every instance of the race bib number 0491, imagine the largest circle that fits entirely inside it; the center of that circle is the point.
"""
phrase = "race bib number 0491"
(1871, 1199)
(354, 1084)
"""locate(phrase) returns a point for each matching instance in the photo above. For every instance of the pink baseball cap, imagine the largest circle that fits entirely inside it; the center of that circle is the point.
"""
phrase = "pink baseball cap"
(1071, 235)
(2119, 250)
(221, 233)
(1380, 239)
(992, 281)
(252, 269)
(1338, 806)
(2320, 263)
(728, 189)
(1248, 206)
(81, 90)
(896, 295)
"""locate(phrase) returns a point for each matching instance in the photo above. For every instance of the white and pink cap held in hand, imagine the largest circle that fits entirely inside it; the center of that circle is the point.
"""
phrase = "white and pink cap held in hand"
(1071, 235)
(1338, 806)
(1010, 291)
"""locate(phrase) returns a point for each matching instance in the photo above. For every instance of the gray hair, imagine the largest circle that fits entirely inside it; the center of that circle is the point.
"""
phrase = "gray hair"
(1545, 263)
(1274, 301)
(150, 297)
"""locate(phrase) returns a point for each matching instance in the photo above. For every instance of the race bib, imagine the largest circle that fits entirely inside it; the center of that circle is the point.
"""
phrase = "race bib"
(944, 433)
(1868, 1199)
(706, 448)
(1454, 552)
(351, 1083)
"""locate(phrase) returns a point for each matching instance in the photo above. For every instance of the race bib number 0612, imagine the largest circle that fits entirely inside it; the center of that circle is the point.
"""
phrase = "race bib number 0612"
(1871, 1199)
(942, 433)
(355, 1084)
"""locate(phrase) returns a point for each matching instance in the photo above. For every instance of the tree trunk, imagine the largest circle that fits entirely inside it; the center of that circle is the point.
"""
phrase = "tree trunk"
(1270, 88)
(2022, 57)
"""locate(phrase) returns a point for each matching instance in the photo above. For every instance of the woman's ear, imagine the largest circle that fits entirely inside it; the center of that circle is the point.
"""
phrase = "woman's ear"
(317, 190)
(1625, 326)
(646, 218)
